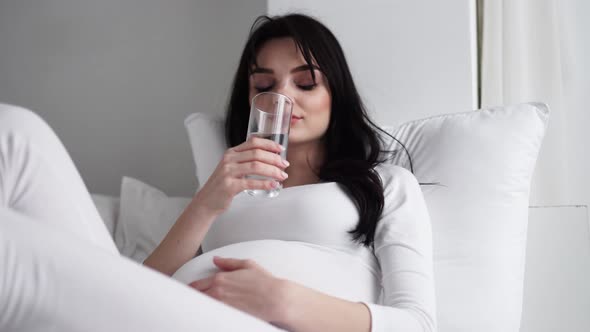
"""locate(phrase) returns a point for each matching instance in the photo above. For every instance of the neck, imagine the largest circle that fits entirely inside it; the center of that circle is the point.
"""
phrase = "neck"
(305, 161)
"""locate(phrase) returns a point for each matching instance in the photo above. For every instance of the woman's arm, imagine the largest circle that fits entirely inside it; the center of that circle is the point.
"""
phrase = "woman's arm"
(403, 247)
(182, 241)
(256, 156)
(245, 285)
(305, 309)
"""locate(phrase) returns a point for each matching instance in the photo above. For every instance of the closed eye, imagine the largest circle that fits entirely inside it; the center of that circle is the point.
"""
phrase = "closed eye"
(263, 89)
(307, 87)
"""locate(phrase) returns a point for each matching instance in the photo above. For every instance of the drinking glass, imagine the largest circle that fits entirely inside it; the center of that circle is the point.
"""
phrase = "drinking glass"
(270, 118)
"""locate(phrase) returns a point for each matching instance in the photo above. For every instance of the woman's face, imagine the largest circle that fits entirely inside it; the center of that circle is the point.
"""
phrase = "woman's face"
(282, 68)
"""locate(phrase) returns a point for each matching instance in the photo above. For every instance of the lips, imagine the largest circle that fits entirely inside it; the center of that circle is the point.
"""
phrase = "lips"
(295, 119)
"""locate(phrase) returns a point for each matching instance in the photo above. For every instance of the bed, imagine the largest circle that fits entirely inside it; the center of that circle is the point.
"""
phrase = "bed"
(548, 262)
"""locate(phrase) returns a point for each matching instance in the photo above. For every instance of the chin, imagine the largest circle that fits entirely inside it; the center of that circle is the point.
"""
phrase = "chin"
(297, 138)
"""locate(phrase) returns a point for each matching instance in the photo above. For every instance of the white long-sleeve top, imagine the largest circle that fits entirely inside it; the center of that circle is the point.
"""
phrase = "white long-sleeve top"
(315, 220)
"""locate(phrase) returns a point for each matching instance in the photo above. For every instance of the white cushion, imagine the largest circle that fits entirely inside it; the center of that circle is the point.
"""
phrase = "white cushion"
(484, 161)
(108, 209)
(206, 135)
(146, 215)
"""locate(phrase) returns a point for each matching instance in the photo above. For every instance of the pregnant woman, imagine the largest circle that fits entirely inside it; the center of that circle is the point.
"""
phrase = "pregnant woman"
(346, 246)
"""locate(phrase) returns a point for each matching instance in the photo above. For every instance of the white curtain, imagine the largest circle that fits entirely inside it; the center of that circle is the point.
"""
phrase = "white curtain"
(531, 51)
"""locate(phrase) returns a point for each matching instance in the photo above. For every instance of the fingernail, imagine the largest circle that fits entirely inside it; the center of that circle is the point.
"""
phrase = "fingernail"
(286, 163)
(275, 184)
(282, 148)
(285, 175)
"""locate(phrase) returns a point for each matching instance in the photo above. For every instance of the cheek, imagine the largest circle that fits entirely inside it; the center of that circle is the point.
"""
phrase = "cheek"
(317, 110)
(251, 94)
(323, 109)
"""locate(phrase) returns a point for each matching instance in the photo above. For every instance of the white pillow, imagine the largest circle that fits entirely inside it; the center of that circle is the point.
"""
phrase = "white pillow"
(108, 209)
(206, 135)
(484, 161)
(146, 215)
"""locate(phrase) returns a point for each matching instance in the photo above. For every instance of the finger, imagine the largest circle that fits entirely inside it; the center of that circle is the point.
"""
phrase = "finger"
(214, 293)
(258, 168)
(252, 184)
(202, 284)
(232, 264)
(264, 156)
(261, 143)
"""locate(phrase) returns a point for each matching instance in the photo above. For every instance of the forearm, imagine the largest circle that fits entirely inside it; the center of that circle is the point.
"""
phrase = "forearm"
(182, 241)
(307, 310)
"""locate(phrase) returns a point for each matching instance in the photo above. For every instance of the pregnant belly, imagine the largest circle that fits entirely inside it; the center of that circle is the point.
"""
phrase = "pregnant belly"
(327, 270)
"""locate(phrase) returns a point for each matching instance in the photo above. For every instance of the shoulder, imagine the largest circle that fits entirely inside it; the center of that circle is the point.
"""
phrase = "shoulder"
(392, 175)
(405, 215)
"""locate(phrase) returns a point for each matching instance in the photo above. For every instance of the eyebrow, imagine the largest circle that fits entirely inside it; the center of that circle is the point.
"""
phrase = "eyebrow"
(262, 70)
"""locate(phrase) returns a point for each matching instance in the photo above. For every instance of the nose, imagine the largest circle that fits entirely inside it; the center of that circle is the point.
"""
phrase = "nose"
(286, 90)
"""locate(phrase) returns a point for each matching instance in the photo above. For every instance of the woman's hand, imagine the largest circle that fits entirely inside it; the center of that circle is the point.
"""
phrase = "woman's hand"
(246, 286)
(256, 156)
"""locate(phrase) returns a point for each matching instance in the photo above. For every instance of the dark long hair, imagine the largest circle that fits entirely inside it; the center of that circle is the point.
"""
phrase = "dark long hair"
(353, 146)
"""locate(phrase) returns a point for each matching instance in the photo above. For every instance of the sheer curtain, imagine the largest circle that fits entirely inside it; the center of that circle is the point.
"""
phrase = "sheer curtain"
(530, 51)
(575, 55)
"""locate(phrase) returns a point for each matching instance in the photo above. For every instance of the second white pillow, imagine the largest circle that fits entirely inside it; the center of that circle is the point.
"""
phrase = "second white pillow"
(146, 215)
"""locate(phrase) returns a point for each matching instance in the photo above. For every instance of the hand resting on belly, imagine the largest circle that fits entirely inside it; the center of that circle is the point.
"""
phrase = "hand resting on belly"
(325, 269)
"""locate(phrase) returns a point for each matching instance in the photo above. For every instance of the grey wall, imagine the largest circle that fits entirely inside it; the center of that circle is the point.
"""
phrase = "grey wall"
(116, 79)
(410, 59)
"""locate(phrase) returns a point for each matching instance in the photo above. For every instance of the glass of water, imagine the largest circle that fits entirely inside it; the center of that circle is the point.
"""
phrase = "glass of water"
(270, 118)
